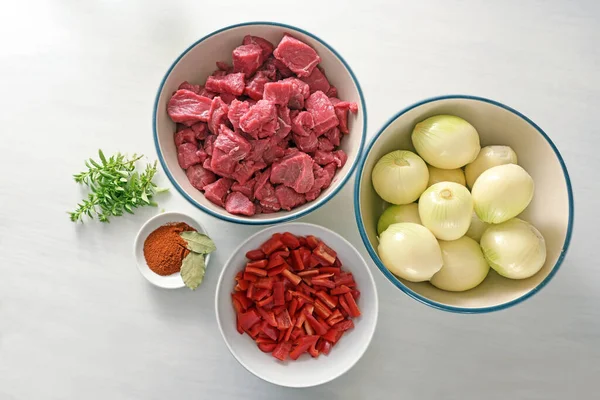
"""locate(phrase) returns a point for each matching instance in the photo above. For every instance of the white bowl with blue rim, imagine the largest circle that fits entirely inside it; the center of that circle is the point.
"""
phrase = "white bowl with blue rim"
(198, 61)
(551, 210)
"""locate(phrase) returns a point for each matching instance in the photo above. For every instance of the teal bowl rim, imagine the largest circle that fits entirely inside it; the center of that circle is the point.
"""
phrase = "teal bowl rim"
(412, 293)
(317, 203)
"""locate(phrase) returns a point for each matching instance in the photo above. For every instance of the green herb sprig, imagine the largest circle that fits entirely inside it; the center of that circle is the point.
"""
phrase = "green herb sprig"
(115, 187)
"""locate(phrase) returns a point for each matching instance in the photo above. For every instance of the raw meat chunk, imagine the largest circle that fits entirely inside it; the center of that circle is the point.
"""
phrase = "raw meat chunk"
(270, 204)
(186, 155)
(261, 120)
(270, 70)
(200, 177)
(266, 46)
(206, 164)
(217, 191)
(273, 152)
(237, 203)
(307, 144)
(341, 111)
(232, 144)
(324, 157)
(209, 144)
(340, 158)
(247, 58)
(303, 123)
(332, 92)
(185, 107)
(278, 92)
(185, 136)
(247, 189)
(232, 83)
(191, 87)
(284, 71)
(299, 92)
(256, 85)
(330, 169)
(258, 149)
(285, 125)
(297, 55)
(317, 81)
(217, 114)
(224, 66)
(319, 105)
(236, 110)
(202, 155)
(199, 130)
(227, 97)
(295, 171)
(334, 135)
(288, 198)
(221, 163)
(325, 144)
(245, 170)
(207, 93)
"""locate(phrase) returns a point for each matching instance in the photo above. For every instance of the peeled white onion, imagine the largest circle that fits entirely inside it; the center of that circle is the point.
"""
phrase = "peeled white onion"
(398, 213)
(410, 251)
(502, 193)
(437, 175)
(488, 157)
(445, 209)
(400, 177)
(476, 228)
(515, 249)
(446, 141)
(464, 265)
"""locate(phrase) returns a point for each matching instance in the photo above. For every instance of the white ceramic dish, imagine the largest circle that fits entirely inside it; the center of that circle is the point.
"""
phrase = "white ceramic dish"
(305, 371)
(198, 61)
(173, 281)
(551, 210)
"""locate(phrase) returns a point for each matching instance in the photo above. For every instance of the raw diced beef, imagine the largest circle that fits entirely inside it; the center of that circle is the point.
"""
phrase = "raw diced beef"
(285, 125)
(278, 92)
(185, 107)
(217, 191)
(232, 83)
(325, 144)
(200, 130)
(319, 105)
(218, 73)
(270, 70)
(186, 155)
(270, 205)
(245, 170)
(262, 187)
(221, 163)
(323, 179)
(291, 150)
(284, 71)
(299, 92)
(273, 152)
(227, 97)
(261, 120)
(217, 115)
(224, 66)
(256, 85)
(247, 189)
(341, 111)
(324, 157)
(332, 92)
(288, 198)
(206, 164)
(207, 93)
(340, 158)
(236, 110)
(297, 55)
(307, 144)
(191, 87)
(334, 135)
(317, 81)
(258, 207)
(266, 46)
(232, 144)
(294, 171)
(303, 123)
(209, 144)
(185, 136)
(180, 127)
(258, 149)
(200, 177)
(237, 203)
(202, 155)
(330, 169)
(247, 58)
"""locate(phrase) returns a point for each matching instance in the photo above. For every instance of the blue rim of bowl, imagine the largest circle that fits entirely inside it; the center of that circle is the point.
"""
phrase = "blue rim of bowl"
(318, 202)
(411, 292)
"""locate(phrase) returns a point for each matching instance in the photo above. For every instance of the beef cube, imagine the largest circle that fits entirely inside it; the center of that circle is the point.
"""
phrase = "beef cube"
(340, 158)
(247, 58)
(218, 73)
(185, 136)
(341, 111)
(291, 150)
(187, 107)
(319, 105)
(288, 198)
(317, 81)
(263, 188)
(261, 120)
(295, 171)
(332, 92)
(285, 126)
(202, 155)
(224, 66)
(216, 192)
(222, 164)
(269, 70)
(244, 171)
(299, 92)
(307, 144)
(324, 157)
(209, 144)
(278, 92)
(258, 149)
(232, 83)
(297, 55)
(255, 87)
(325, 144)
(247, 189)
(200, 177)
(227, 97)
(334, 135)
(272, 153)
(186, 155)
(207, 93)
(270, 204)
(237, 203)
(191, 87)
(232, 144)
(217, 114)
(322, 180)
(283, 70)
(200, 130)
(266, 46)
(303, 123)
(206, 164)
(330, 170)
(236, 110)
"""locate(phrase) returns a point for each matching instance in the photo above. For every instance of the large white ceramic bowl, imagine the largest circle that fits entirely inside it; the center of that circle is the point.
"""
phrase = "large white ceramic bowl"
(198, 61)
(551, 210)
(305, 371)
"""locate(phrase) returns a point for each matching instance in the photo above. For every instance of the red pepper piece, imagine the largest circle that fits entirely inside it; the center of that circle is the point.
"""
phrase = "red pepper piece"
(264, 302)
(267, 316)
(239, 276)
(302, 345)
(314, 262)
(316, 325)
(306, 255)
(296, 333)
(282, 351)
(330, 301)
(310, 272)
(300, 320)
(330, 270)
(283, 320)
(295, 279)
(323, 282)
(278, 309)
(344, 325)
(242, 299)
(297, 260)
(280, 337)
(243, 284)
(347, 280)
(282, 253)
(278, 296)
(248, 319)
(325, 254)
(255, 255)
(277, 270)
(307, 328)
(344, 304)
(302, 240)
(275, 261)
(335, 317)
(270, 331)
(264, 283)
(354, 311)
(271, 245)
(356, 294)
(288, 296)
(261, 264)
(321, 309)
(256, 271)
(250, 277)
(307, 289)
(288, 332)
(312, 350)
(290, 240)
(340, 290)
(238, 326)
(260, 294)
(312, 241)
(303, 296)
(250, 291)
(237, 305)
(323, 276)
(293, 307)
(333, 335)
(337, 263)
(326, 347)
(267, 347)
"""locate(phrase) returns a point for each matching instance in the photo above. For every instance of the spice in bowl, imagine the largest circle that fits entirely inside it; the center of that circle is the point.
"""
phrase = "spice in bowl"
(177, 247)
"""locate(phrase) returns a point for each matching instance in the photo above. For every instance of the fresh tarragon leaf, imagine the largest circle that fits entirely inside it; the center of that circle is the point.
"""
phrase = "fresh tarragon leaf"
(192, 270)
(198, 242)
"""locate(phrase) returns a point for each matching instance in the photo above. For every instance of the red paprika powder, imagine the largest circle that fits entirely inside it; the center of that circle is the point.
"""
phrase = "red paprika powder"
(164, 249)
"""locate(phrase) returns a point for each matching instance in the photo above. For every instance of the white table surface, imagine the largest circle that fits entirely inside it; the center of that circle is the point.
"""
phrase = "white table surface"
(77, 320)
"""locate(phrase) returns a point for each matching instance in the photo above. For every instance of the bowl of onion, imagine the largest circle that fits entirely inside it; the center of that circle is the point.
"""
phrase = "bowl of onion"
(464, 204)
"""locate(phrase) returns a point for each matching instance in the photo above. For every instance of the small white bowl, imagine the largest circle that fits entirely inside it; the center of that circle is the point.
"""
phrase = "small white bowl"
(197, 62)
(305, 371)
(173, 281)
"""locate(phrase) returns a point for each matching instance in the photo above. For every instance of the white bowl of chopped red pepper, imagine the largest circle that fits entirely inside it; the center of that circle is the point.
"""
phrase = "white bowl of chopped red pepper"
(296, 305)
(259, 123)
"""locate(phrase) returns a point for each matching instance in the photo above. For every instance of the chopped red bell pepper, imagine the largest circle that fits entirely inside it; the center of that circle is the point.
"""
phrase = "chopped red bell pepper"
(323, 282)
(321, 309)
(352, 306)
(278, 298)
(330, 301)
(283, 320)
(344, 304)
(312, 241)
(277, 270)
(325, 254)
(330, 270)
(248, 319)
(237, 306)
(261, 264)
(302, 345)
(282, 350)
(282, 253)
(255, 255)
(293, 307)
(275, 261)
(271, 245)
(278, 309)
(243, 284)
(280, 337)
(302, 240)
(260, 294)
(296, 333)
(347, 280)
(250, 277)
(333, 335)
(340, 290)
(335, 317)
(267, 347)
(267, 316)
(307, 273)
(312, 350)
(337, 263)
(306, 254)
(307, 328)
(288, 332)
(307, 289)
(356, 294)
(290, 240)
(238, 326)
(256, 271)
(242, 299)
(295, 279)
(270, 331)
(265, 301)
(326, 347)
(314, 262)
(250, 291)
(297, 262)
(264, 283)
(300, 320)
(319, 329)
(254, 331)
(344, 325)
(323, 276)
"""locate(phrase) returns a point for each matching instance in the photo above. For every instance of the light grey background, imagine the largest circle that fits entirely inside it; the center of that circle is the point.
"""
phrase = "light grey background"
(77, 321)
